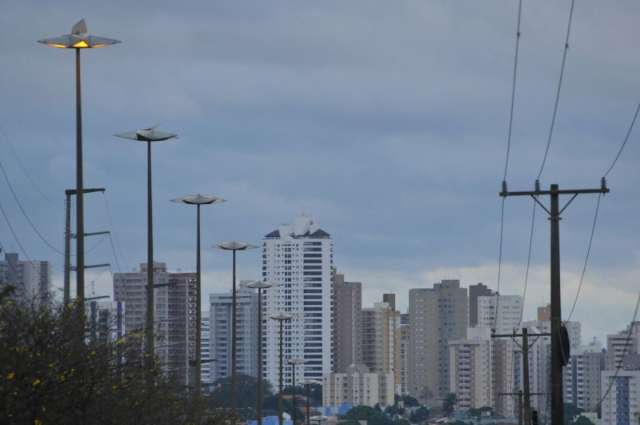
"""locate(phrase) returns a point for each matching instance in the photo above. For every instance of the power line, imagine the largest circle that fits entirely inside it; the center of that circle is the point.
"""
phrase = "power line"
(514, 80)
(624, 354)
(113, 233)
(558, 90)
(24, 212)
(13, 233)
(624, 142)
(529, 254)
(22, 167)
(586, 258)
(513, 91)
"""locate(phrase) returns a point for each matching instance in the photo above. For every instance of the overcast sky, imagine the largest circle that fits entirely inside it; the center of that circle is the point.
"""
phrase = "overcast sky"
(385, 120)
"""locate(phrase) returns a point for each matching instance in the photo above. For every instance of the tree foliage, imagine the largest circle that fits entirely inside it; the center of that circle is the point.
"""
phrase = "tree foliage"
(49, 374)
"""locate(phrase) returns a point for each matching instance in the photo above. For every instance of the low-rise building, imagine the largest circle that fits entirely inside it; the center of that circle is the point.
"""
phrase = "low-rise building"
(358, 387)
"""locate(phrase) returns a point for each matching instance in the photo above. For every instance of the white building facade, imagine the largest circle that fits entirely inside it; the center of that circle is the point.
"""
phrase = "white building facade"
(470, 369)
(509, 312)
(358, 387)
(297, 260)
(621, 406)
(31, 279)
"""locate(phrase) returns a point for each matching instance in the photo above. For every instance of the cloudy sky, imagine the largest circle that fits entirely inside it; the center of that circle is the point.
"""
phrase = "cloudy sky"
(384, 120)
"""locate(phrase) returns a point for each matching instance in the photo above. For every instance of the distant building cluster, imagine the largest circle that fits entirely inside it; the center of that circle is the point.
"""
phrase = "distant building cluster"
(443, 343)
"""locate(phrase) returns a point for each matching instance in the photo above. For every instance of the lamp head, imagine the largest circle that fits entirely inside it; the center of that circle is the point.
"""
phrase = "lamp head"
(78, 39)
(147, 135)
(259, 285)
(235, 246)
(199, 199)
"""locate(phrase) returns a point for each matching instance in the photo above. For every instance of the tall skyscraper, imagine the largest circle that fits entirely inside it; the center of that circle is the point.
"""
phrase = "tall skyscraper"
(206, 359)
(404, 353)
(298, 261)
(621, 344)
(470, 367)
(509, 312)
(381, 339)
(475, 291)
(582, 376)
(220, 312)
(347, 322)
(175, 318)
(436, 316)
(31, 279)
(621, 406)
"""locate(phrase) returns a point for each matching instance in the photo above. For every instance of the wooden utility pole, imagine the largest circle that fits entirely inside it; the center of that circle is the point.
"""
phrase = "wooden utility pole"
(558, 336)
(526, 391)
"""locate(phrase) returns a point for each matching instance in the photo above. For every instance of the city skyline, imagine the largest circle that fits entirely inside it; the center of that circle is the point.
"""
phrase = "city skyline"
(243, 122)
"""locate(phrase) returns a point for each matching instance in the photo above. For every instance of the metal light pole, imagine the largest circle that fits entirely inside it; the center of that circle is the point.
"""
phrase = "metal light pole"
(77, 40)
(281, 318)
(198, 200)
(294, 363)
(148, 136)
(307, 388)
(234, 246)
(259, 286)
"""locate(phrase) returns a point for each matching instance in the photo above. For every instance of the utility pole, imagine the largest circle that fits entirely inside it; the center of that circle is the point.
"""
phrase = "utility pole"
(526, 407)
(67, 246)
(558, 336)
(519, 394)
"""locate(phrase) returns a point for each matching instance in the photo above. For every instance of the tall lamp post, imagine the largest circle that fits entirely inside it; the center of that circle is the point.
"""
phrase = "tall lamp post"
(294, 363)
(281, 318)
(307, 389)
(259, 286)
(149, 136)
(79, 39)
(198, 200)
(234, 246)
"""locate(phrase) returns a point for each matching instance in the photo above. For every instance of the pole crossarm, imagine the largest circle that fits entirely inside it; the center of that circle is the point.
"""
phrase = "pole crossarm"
(71, 192)
(93, 266)
(103, 232)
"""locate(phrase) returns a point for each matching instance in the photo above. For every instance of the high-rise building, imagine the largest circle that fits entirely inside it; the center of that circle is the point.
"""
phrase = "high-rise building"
(621, 406)
(475, 291)
(621, 344)
(298, 261)
(105, 320)
(206, 359)
(509, 312)
(404, 354)
(31, 279)
(436, 316)
(381, 339)
(346, 322)
(470, 367)
(358, 386)
(582, 376)
(220, 319)
(174, 315)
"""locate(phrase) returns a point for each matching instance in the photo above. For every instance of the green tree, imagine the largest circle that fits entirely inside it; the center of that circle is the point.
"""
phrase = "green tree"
(409, 401)
(48, 375)
(220, 396)
(371, 415)
(449, 403)
(583, 420)
(420, 415)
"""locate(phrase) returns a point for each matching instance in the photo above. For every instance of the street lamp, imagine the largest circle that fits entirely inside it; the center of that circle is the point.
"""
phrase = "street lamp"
(148, 136)
(281, 318)
(234, 246)
(307, 388)
(294, 363)
(79, 39)
(198, 200)
(259, 286)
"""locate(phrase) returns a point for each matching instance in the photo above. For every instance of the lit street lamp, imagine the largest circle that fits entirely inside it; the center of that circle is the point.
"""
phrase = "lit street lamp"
(294, 363)
(259, 286)
(148, 136)
(234, 246)
(79, 39)
(281, 318)
(198, 200)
